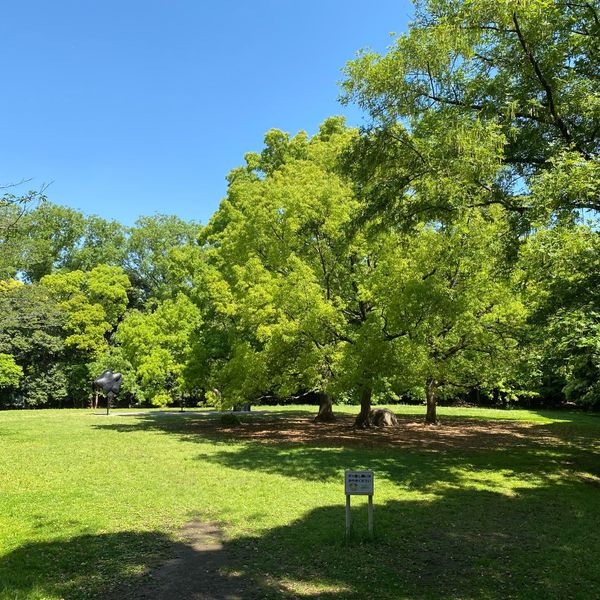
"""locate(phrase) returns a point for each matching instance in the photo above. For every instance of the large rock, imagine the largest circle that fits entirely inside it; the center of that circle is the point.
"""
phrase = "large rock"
(383, 417)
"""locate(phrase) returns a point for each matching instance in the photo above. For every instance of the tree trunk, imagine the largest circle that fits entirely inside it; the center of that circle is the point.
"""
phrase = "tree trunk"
(364, 416)
(430, 391)
(325, 414)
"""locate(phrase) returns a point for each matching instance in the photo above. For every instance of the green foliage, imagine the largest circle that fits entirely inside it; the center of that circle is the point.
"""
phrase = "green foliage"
(449, 290)
(500, 99)
(279, 250)
(578, 346)
(102, 243)
(482, 104)
(13, 209)
(561, 272)
(157, 346)
(10, 371)
(160, 255)
(54, 238)
(52, 233)
(31, 332)
(66, 251)
(212, 399)
(93, 303)
(308, 302)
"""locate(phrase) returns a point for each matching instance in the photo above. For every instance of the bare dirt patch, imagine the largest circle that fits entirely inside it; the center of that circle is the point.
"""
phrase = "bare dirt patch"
(411, 432)
(198, 571)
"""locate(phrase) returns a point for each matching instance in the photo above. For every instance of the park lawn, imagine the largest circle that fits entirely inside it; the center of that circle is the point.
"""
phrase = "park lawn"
(490, 504)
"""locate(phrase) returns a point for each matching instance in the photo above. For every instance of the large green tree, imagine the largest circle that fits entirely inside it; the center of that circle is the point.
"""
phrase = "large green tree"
(316, 304)
(275, 246)
(483, 103)
(449, 291)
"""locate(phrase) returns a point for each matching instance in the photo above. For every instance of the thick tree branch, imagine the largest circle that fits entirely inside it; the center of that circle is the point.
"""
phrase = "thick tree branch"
(559, 122)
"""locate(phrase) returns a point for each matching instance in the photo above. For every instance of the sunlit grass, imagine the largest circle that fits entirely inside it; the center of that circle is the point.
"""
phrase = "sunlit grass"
(87, 501)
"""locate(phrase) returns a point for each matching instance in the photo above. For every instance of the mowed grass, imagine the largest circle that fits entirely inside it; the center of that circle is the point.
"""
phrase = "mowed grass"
(491, 504)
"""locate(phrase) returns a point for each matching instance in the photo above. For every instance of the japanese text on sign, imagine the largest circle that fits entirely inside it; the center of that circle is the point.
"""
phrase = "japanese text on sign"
(359, 483)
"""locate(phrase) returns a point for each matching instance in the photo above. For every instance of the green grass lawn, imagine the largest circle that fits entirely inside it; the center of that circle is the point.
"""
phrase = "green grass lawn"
(491, 504)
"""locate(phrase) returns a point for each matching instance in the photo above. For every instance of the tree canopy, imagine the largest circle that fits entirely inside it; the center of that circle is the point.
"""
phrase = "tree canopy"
(496, 103)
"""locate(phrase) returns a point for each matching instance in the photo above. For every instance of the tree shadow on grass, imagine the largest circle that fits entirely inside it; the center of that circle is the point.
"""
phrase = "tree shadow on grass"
(117, 566)
(413, 455)
(540, 543)
(467, 544)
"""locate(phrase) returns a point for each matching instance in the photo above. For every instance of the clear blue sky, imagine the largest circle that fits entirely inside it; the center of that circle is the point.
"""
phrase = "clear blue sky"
(135, 107)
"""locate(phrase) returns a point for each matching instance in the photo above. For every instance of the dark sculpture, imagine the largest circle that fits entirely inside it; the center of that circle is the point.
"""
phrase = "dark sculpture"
(109, 384)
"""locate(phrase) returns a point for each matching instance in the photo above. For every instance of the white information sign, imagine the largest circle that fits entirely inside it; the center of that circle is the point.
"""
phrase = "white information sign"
(359, 483)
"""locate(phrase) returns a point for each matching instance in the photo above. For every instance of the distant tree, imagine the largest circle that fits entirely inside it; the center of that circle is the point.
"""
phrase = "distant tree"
(31, 332)
(93, 303)
(13, 209)
(560, 268)
(10, 371)
(58, 238)
(102, 242)
(51, 235)
(157, 345)
(156, 254)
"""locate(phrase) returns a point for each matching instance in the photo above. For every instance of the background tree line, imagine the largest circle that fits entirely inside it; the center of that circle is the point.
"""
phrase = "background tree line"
(449, 251)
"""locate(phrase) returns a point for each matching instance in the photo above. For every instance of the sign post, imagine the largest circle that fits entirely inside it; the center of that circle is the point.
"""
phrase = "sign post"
(358, 483)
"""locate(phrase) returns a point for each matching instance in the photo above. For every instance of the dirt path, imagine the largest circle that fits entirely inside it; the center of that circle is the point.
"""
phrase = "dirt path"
(195, 573)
